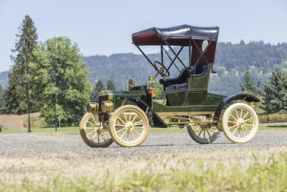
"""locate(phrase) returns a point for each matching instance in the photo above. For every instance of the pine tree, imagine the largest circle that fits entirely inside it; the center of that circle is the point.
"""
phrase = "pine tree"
(59, 71)
(2, 101)
(275, 92)
(97, 89)
(111, 85)
(248, 84)
(16, 95)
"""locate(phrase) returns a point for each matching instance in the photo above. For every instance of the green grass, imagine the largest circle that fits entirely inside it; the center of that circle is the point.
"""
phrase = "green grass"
(259, 176)
(75, 130)
(36, 122)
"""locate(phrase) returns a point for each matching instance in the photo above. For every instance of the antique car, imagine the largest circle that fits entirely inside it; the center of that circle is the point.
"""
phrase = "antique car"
(126, 116)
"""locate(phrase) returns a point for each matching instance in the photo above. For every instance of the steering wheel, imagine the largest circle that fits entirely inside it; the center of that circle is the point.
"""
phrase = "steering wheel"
(161, 70)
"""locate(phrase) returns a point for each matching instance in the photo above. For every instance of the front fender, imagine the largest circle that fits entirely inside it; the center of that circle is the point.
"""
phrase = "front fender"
(154, 119)
(245, 97)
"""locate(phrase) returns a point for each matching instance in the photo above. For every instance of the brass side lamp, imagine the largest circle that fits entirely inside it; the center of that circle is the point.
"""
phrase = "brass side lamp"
(151, 87)
(131, 84)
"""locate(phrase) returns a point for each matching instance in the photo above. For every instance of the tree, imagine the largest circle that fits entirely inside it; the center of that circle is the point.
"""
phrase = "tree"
(97, 89)
(248, 84)
(59, 71)
(2, 101)
(159, 91)
(111, 85)
(16, 95)
(275, 92)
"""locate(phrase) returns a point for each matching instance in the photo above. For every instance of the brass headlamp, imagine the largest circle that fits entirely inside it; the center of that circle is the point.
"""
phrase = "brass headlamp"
(107, 106)
(93, 107)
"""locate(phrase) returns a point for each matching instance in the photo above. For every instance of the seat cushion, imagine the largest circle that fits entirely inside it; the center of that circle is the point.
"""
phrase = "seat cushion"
(176, 88)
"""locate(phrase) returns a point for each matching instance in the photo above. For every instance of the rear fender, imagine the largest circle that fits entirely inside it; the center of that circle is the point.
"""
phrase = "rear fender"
(154, 119)
(245, 97)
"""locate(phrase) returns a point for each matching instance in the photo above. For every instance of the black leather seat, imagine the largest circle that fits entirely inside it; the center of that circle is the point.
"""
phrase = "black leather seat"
(179, 84)
(176, 88)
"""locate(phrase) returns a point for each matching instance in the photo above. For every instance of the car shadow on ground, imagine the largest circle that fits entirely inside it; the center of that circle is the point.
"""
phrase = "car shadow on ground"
(176, 145)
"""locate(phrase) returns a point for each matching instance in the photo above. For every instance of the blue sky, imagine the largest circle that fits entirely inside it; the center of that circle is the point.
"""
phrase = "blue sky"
(105, 27)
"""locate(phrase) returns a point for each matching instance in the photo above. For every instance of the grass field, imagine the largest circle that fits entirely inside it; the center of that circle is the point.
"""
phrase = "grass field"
(75, 130)
(190, 171)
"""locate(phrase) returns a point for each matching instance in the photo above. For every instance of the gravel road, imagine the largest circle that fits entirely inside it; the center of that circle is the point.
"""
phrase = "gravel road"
(33, 143)
(39, 157)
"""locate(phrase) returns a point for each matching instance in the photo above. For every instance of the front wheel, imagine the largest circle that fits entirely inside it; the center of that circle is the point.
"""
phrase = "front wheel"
(240, 123)
(129, 126)
(93, 133)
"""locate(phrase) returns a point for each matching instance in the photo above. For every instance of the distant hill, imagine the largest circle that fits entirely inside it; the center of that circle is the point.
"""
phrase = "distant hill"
(235, 59)
(231, 61)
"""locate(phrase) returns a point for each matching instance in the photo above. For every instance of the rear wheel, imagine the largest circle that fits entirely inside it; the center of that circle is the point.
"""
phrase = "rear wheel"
(129, 126)
(240, 123)
(202, 133)
(93, 132)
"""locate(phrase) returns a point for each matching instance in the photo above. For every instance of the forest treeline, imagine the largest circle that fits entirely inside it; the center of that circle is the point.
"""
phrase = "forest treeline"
(234, 58)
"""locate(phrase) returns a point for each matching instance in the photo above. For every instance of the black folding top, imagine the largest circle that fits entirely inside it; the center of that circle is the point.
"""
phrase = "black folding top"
(154, 35)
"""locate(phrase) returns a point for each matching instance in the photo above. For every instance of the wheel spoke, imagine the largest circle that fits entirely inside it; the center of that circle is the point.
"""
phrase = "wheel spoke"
(94, 136)
(204, 134)
(90, 133)
(136, 132)
(121, 129)
(106, 134)
(245, 115)
(243, 133)
(247, 119)
(236, 113)
(103, 137)
(195, 129)
(238, 133)
(134, 118)
(246, 129)
(241, 113)
(213, 130)
(231, 122)
(208, 133)
(137, 123)
(94, 119)
(98, 138)
(232, 127)
(121, 120)
(232, 116)
(132, 134)
(125, 117)
(199, 132)
(123, 134)
(128, 136)
(130, 116)
(120, 125)
(91, 123)
(234, 130)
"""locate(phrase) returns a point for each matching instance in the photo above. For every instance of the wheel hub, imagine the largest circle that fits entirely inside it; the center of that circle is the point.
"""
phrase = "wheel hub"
(240, 123)
(129, 126)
